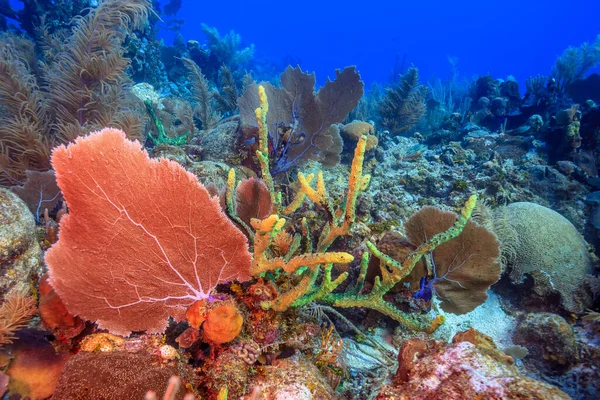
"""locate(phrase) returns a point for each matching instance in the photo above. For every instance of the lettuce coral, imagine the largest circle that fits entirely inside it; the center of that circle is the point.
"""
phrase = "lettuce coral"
(143, 239)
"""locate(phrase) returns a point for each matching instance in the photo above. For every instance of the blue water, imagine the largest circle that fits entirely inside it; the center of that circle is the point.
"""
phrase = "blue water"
(511, 37)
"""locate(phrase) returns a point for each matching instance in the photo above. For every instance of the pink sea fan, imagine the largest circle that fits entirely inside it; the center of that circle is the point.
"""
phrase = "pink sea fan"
(143, 239)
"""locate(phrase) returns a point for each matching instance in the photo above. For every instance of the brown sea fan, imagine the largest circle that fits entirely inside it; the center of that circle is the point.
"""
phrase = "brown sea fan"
(465, 267)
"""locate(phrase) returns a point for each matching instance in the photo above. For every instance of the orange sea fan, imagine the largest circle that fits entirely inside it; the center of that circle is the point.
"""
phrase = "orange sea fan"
(143, 239)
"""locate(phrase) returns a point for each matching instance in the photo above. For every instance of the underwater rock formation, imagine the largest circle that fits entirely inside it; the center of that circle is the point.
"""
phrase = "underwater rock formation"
(20, 253)
(471, 367)
(219, 143)
(550, 342)
(293, 378)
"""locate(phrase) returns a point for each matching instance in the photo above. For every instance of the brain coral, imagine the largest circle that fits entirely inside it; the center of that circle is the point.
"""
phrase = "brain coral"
(542, 243)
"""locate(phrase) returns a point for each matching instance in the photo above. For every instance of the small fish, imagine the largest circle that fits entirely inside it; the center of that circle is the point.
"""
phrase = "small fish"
(250, 142)
(425, 291)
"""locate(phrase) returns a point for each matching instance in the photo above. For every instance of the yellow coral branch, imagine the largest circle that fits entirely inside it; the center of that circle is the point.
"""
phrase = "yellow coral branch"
(266, 230)
(356, 183)
(299, 198)
(263, 146)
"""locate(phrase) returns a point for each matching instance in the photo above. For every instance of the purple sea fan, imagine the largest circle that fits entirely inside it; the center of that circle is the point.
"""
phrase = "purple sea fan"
(302, 122)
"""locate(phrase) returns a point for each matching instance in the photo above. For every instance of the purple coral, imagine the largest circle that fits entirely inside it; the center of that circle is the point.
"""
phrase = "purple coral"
(302, 122)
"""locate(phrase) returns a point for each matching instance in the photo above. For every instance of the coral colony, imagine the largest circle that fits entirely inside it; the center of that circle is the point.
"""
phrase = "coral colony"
(189, 221)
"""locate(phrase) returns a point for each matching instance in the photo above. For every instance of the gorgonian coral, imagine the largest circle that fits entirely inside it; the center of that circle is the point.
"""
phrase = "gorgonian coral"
(301, 122)
(143, 239)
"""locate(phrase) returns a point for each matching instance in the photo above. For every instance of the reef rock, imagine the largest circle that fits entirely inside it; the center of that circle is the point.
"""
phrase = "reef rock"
(219, 143)
(541, 243)
(20, 253)
(471, 367)
(292, 378)
(550, 342)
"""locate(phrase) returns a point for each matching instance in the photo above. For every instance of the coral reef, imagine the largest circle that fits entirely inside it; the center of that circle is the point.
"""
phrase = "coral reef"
(225, 262)
(20, 253)
(470, 367)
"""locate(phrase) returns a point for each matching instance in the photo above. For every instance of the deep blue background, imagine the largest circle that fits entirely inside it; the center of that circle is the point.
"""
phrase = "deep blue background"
(510, 37)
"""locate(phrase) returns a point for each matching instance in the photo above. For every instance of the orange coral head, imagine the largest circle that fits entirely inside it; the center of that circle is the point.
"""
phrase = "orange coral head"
(143, 239)
(54, 314)
(223, 324)
(196, 313)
